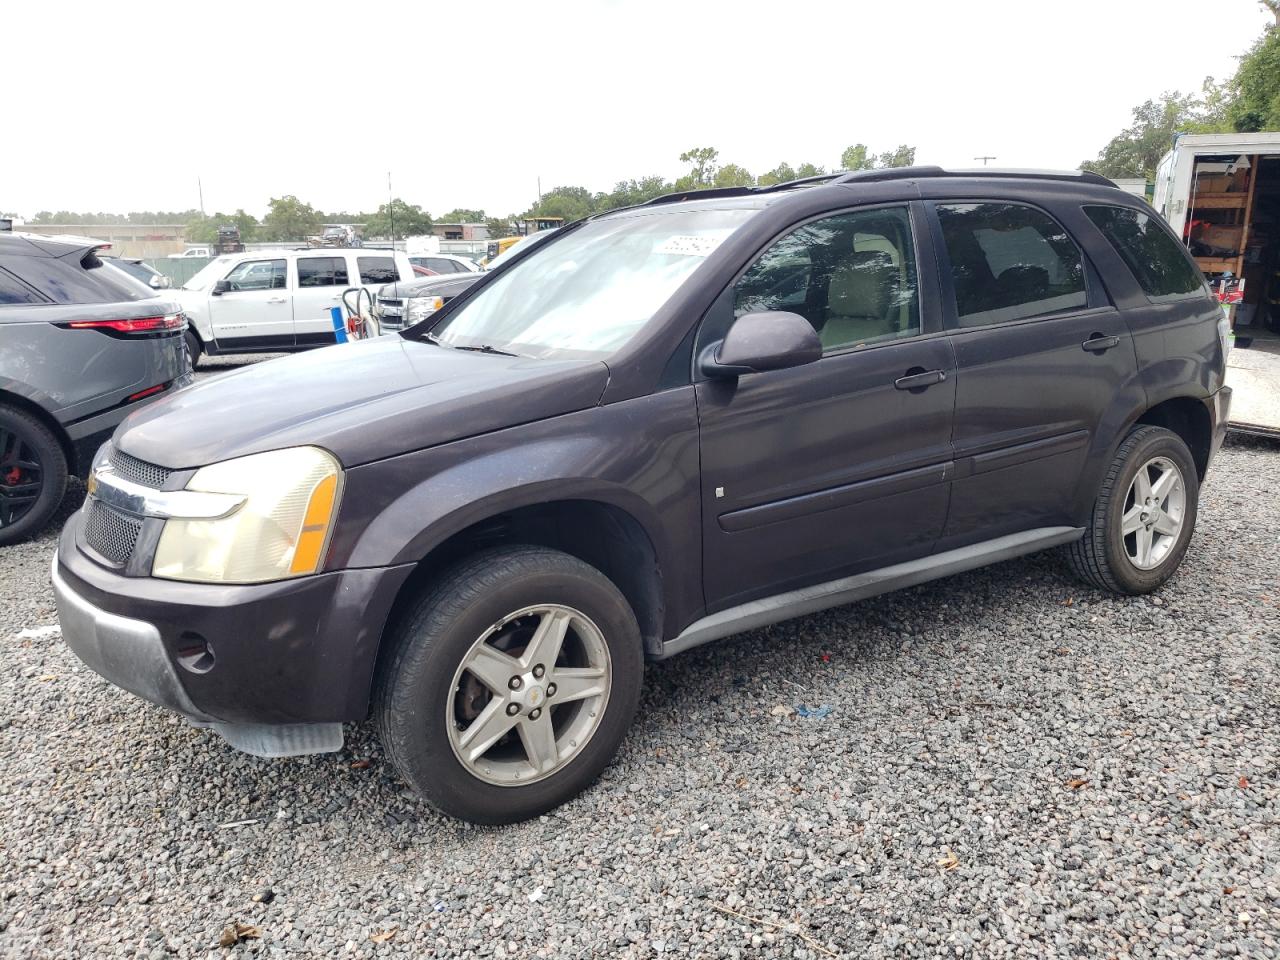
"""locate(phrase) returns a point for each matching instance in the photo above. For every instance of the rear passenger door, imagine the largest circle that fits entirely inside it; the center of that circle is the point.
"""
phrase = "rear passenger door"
(1040, 355)
(321, 281)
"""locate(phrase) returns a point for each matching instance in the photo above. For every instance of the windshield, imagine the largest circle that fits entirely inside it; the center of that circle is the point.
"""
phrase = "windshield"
(211, 271)
(588, 293)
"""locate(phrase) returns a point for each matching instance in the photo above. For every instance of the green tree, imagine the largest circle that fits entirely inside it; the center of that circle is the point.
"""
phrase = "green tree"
(856, 158)
(904, 156)
(702, 172)
(809, 170)
(288, 218)
(499, 226)
(1255, 88)
(409, 220)
(782, 173)
(1135, 151)
(733, 175)
(571, 203)
(462, 215)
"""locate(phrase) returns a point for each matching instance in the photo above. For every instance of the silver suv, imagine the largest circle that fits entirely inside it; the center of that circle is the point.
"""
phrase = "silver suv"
(82, 345)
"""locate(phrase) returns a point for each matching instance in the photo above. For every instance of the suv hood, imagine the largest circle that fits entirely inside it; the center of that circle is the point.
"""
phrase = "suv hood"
(447, 286)
(363, 401)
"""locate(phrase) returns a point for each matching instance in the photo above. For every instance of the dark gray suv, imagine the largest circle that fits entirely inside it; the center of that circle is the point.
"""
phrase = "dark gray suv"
(82, 345)
(665, 425)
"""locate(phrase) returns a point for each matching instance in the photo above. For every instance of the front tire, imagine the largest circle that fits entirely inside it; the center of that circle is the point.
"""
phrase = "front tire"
(510, 685)
(1143, 517)
(193, 347)
(33, 475)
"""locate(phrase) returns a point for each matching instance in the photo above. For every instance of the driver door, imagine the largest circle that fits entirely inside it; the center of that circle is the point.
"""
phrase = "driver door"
(257, 312)
(841, 465)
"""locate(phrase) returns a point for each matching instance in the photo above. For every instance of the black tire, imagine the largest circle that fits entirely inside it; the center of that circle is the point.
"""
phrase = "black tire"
(414, 691)
(1101, 557)
(193, 347)
(32, 461)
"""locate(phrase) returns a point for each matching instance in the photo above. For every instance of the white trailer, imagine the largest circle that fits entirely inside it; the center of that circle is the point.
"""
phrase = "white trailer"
(1221, 195)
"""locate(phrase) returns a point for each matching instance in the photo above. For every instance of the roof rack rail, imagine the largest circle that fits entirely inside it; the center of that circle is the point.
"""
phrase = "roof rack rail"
(878, 176)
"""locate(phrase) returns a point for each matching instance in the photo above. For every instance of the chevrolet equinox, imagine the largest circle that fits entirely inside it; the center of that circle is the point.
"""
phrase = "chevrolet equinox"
(665, 425)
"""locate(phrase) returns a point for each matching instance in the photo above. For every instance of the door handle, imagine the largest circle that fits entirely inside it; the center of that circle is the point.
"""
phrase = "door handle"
(1097, 343)
(919, 379)
(276, 300)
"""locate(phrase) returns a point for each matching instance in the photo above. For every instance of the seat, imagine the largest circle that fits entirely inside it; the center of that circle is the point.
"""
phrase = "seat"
(859, 300)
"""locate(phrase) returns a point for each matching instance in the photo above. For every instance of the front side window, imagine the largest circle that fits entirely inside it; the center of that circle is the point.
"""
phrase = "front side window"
(853, 276)
(1157, 261)
(1010, 262)
(377, 270)
(586, 294)
(258, 275)
(322, 272)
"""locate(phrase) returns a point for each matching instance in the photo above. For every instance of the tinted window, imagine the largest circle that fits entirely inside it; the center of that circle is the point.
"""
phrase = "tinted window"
(852, 276)
(13, 290)
(377, 270)
(1158, 262)
(1010, 262)
(322, 272)
(440, 265)
(76, 281)
(258, 275)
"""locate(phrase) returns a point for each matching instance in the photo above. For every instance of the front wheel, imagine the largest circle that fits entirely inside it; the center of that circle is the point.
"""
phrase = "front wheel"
(510, 685)
(193, 347)
(1143, 517)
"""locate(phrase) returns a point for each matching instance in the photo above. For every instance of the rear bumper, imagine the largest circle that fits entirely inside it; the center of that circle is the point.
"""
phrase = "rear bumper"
(294, 652)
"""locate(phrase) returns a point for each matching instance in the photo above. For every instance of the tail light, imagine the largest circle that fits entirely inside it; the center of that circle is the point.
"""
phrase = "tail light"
(141, 325)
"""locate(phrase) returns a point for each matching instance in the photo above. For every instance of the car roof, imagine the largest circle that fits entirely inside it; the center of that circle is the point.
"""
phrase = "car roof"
(34, 245)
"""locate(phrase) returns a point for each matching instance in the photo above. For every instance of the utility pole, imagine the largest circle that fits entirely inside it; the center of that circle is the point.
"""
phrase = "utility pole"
(539, 189)
(200, 187)
(985, 159)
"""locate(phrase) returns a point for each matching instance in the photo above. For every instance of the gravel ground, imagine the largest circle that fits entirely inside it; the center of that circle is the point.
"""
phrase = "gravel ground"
(1013, 766)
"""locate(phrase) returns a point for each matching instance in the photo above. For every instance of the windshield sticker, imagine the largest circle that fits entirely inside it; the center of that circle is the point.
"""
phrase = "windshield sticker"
(689, 246)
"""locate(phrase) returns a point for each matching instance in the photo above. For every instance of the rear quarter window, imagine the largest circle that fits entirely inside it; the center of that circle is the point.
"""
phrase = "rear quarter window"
(13, 290)
(1161, 265)
(374, 270)
(75, 281)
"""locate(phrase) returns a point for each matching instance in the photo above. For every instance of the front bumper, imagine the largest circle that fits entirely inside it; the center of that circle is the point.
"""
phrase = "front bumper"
(276, 655)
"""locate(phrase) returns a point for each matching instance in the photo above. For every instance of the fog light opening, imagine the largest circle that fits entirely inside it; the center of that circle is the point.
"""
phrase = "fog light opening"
(194, 653)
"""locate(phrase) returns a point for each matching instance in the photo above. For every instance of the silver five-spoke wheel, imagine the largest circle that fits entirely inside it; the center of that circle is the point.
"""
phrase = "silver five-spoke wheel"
(1154, 511)
(528, 695)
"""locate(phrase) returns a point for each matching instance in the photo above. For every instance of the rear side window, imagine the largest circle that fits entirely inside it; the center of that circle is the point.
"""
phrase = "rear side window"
(1157, 261)
(75, 281)
(377, 269)
(13, 290)
(1010, 262)
(322, 272)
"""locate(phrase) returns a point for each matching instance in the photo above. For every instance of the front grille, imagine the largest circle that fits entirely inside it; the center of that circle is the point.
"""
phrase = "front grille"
(391, 307)
(112, 535)
(139, 471)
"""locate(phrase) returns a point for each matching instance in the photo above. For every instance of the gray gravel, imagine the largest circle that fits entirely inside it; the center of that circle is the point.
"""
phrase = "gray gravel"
(1014, 766)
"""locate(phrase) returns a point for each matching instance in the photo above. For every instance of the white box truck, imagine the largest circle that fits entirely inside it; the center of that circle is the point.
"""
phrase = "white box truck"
(1221, 195)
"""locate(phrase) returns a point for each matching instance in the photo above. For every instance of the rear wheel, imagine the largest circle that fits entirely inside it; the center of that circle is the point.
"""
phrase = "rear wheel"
(193, 347)
(511, 685)
(33, 475)
(1144, 515)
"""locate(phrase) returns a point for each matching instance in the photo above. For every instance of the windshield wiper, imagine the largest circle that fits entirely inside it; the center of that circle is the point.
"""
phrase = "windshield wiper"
(488, 348)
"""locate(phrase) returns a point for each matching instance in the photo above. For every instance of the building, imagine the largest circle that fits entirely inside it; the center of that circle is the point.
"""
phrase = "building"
(149, 240)
(460, 231)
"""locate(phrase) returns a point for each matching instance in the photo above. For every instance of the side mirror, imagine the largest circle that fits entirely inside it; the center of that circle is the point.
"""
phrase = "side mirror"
(220, 287)
(160, 282)
(773, 340)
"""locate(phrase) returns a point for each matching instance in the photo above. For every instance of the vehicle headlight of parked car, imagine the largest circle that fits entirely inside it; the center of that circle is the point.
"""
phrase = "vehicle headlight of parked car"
(419, 308)
(279, 511)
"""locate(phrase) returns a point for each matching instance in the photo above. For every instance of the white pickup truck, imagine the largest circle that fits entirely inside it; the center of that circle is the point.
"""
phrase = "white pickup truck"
(278, 301)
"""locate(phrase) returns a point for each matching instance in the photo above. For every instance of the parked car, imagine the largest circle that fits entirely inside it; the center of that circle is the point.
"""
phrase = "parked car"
(336, 235)
(662, 426)
(193, 253)
(399, 305)
(82, 345)
(140, 270)
(271, 301)
(444, 264)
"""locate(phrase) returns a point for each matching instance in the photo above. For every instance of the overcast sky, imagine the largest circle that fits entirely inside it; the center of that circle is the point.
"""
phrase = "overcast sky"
(119, 107)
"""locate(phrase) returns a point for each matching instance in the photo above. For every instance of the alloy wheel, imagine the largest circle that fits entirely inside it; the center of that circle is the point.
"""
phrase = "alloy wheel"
(21, 477)
(1154, 513)
(528, 695)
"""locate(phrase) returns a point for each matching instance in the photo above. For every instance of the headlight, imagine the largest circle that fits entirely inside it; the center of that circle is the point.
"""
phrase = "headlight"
(419, 308)
(281, 531)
